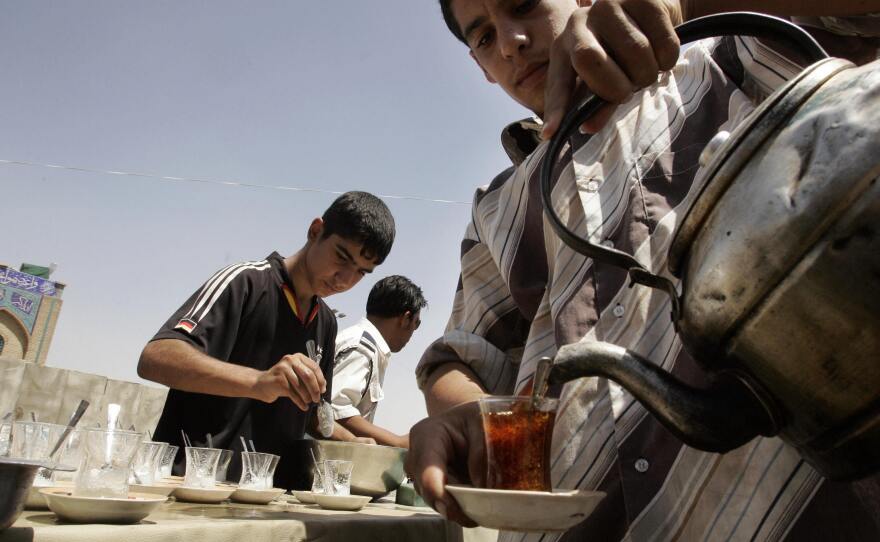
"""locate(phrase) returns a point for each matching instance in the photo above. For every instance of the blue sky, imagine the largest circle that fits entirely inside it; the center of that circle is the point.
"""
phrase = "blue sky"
(345, 95)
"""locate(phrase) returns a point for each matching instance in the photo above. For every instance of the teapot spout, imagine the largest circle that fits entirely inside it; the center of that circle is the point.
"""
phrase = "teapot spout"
(724, 416)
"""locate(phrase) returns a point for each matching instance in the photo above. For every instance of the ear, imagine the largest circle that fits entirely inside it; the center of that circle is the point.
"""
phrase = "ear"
(316, 228)
(485, 73)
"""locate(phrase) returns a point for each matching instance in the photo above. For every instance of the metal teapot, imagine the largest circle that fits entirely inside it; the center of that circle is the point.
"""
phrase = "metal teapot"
(779, 261)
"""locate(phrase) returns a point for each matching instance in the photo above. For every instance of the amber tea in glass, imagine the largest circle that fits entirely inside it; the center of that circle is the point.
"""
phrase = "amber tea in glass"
(518, 433)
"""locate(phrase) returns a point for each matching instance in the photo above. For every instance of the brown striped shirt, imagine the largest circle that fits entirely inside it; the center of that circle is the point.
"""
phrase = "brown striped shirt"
(522, 293)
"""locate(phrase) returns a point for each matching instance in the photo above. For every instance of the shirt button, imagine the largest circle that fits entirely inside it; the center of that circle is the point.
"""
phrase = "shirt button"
(618, 310)
(592, 185)
(642, 465)
(608, 243)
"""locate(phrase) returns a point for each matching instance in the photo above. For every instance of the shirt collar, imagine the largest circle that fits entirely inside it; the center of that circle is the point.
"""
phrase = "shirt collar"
(304, 314)
(380, 340)
(521, 138)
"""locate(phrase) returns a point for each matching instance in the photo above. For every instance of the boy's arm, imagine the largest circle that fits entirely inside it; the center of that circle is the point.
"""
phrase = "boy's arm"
(181, 366)
(361, 427)
(451, 384)
(191, 352)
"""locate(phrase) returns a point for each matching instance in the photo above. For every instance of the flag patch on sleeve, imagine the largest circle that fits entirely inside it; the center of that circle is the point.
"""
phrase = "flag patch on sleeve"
(186, 325)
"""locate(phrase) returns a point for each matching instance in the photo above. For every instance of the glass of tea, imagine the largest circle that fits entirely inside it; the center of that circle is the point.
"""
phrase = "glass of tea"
(519, 431)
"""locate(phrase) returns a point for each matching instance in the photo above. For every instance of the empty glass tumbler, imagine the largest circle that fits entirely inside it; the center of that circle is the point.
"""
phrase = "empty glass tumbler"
(201, 467)
(106, 462)
(256, 469)
(146, 462)
(337, 477)
(166, 462)
(34, 440)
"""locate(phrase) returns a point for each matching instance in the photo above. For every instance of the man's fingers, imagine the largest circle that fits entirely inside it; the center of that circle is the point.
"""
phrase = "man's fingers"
(560, 85)
(432, 488)
(658, 26)
(293, 387)
(308, 373)
(624, 41)
(316, 370)
(596, 68)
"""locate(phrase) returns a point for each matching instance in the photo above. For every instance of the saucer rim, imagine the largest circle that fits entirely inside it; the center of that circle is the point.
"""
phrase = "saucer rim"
(309, 493)
(355, 500)
(67, 493)
(555, 494)
(207, 495)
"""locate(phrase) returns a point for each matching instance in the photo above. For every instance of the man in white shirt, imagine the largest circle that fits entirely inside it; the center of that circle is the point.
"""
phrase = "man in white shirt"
(363, 352)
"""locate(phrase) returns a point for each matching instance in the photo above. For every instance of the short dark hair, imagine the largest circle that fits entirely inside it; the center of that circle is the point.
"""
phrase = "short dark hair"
(393, 296)
(451, 23)
(363, 218)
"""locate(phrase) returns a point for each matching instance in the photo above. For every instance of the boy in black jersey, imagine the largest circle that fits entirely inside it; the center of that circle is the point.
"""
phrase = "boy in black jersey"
(250, 354)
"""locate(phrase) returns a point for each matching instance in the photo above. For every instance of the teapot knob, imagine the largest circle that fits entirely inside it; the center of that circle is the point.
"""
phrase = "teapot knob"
(717, 141)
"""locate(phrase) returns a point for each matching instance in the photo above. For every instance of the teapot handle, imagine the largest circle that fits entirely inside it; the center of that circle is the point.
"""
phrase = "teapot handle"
(723, 24)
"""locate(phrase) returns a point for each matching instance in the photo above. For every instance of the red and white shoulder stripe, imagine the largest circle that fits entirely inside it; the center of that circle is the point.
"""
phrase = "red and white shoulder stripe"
(213, 289)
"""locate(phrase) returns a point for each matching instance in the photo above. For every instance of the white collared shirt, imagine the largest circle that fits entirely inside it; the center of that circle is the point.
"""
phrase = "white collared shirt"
(362, 355)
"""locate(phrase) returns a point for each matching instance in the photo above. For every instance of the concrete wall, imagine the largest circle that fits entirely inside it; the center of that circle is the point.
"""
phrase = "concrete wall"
(52, 394)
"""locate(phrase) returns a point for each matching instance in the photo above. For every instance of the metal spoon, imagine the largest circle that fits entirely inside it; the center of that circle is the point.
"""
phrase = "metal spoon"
(77, 414)
(325, 411)
(539, 384)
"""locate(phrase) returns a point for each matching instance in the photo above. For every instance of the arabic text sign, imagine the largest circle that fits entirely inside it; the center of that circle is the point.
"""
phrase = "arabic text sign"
(28, 283)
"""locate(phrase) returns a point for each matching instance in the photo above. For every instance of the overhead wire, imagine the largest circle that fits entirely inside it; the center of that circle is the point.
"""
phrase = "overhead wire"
(220, 181)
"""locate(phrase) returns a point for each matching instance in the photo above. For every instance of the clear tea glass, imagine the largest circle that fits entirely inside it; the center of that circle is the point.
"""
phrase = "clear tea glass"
(254, 468)
(166, 462)
(223, 465)
(337, 477)
(106, 462)
(146, 462)
(518, 438)
(34, 440)
(201, 467)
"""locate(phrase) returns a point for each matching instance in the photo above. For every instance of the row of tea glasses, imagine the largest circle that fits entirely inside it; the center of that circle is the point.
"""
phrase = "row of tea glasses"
(207, 466)
(108, 461)
(105, 460)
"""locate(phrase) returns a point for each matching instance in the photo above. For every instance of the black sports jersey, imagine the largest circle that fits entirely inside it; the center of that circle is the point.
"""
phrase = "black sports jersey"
(241, 315)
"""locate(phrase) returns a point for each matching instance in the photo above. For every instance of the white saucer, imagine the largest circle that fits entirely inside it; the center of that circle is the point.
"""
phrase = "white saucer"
(529, 511)
(100, 510)
(257, 496)
(158, 488)
(202, 495)
(351, 503)
(305, 497)
(36, 501)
